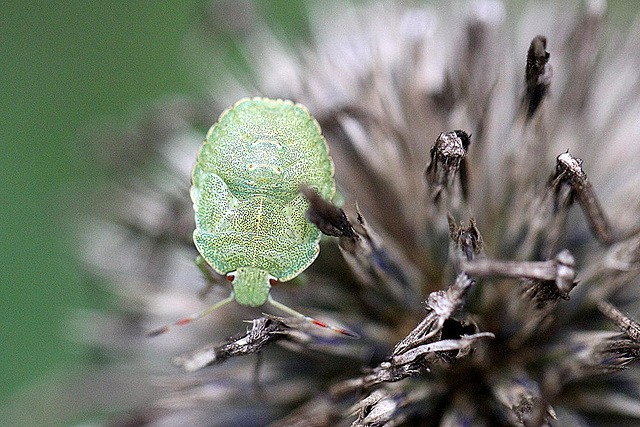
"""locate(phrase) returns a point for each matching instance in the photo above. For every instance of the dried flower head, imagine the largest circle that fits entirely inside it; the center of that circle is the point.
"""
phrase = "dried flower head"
(518, 319)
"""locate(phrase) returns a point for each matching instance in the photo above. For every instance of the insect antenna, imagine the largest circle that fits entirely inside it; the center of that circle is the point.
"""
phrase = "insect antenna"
(191, 318)
(301, 316)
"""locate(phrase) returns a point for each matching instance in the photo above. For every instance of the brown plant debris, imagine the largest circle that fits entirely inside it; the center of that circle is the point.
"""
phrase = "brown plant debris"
(436, 339)
(560, 269)
(467, 239)
(263, 331)
(330, 219)
(569, 175)
(537, 74)
(630, 327)
(448, 161)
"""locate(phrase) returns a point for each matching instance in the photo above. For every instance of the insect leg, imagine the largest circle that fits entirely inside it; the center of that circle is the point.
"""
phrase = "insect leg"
(301, 316)
(204, 267)
(191, 318)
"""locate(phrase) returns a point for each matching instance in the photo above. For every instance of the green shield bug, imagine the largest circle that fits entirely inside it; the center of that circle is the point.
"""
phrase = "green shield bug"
(250, 216)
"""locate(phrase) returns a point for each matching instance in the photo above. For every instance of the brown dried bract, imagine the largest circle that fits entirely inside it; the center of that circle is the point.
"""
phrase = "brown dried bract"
(537, 74)
(447, 159)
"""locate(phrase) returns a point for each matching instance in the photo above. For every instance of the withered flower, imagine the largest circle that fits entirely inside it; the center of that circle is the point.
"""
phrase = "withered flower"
(434, 118)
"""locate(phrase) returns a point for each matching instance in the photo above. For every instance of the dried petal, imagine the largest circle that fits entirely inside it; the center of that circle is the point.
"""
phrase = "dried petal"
(448, 162)
(538, 74)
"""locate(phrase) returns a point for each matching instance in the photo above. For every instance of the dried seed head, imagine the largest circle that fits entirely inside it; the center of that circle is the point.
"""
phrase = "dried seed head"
(329, 218)
(467, 239)
(537, 75)
(565, 271)
(448, 161)
(627, 325)
(560, 269)
(263, 331)
(441, 305)
(547, 219)
(567, 163)
(569, 172)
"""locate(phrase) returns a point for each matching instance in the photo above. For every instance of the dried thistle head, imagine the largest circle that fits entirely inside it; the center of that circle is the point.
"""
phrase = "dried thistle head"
(435, 119)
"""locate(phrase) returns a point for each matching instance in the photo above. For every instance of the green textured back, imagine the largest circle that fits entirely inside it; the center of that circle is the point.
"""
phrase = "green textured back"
(248, 210)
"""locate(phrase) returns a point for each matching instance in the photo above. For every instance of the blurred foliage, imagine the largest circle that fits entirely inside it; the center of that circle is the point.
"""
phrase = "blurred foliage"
(65, 64)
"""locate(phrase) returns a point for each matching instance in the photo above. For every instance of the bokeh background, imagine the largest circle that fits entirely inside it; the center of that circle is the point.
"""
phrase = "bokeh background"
(68, 68)
(65, 67)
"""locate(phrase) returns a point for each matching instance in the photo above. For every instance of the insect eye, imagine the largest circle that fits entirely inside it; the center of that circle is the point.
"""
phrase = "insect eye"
(273, 281)
(230, 277)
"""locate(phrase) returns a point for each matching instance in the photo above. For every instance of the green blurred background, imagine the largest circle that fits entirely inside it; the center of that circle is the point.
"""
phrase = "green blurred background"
(64, 67)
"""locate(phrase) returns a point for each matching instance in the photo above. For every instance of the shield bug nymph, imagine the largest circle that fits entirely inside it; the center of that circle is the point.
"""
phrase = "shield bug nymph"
(250, 216)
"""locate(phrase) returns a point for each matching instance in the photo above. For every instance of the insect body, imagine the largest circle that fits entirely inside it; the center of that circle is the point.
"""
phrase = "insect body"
(250, 217)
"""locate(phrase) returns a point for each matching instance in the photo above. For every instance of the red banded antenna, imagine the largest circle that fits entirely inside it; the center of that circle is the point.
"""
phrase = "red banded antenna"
(301, 316)
(191, 318)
